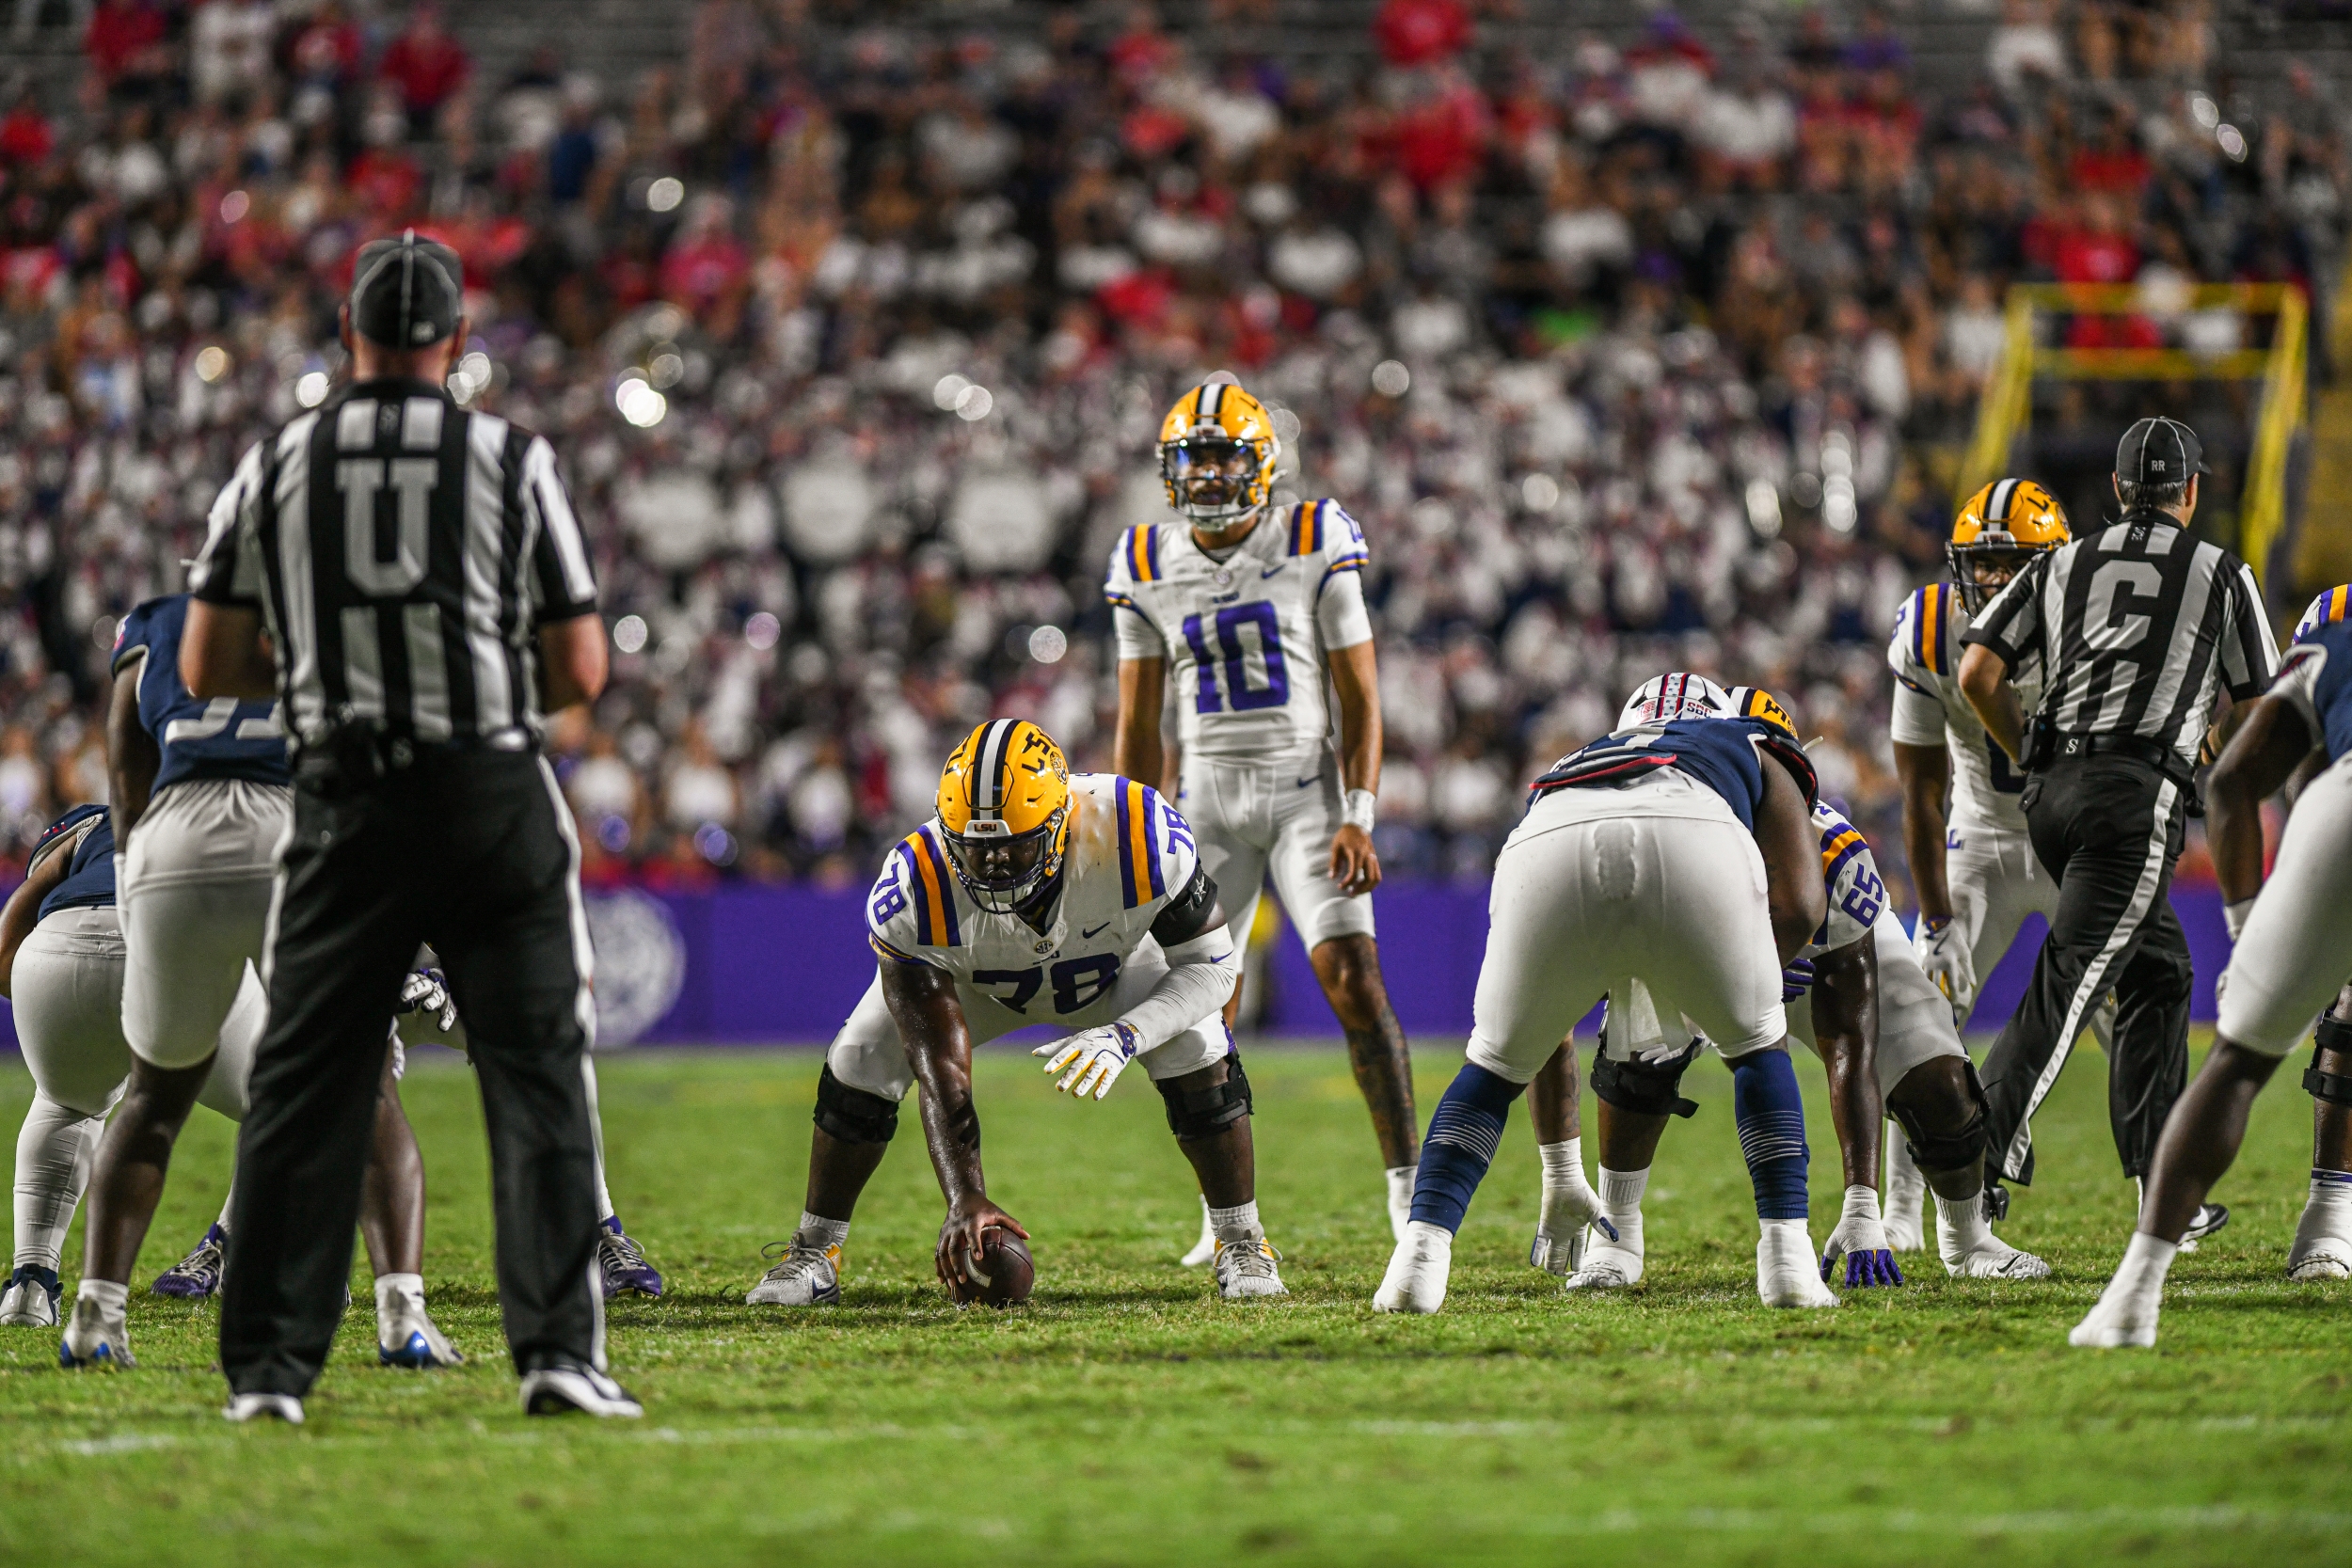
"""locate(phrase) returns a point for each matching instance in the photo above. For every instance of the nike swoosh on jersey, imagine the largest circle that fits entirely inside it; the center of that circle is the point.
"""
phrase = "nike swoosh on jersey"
(1303, 783)
(1088, 936)
(1271, 570)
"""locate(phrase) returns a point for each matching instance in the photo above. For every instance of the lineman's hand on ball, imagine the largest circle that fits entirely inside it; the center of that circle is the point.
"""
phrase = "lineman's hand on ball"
(1093, 1058)
(1943, 949)
(958, 1256)
(1353, 865)
(425, 991)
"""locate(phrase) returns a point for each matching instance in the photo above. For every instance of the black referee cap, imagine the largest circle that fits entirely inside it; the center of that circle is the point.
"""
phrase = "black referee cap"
(2159, 451)
(406, 292)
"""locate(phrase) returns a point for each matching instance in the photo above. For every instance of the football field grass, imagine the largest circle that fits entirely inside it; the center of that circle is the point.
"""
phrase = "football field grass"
(1126, 1416)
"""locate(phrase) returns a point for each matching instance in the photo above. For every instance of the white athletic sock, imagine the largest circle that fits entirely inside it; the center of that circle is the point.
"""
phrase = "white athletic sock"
(1961, 1225)
(2139, 1278)
(1621, 1200)
(1237, 1224)
(390, 1284)
(2330, 1203)
(824, 1232)
(225, 1202)
(53, 1160)
(1400, 1186)
(111, 1294)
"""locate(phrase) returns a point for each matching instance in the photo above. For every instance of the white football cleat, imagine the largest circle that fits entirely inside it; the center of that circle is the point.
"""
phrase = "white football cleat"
(406, 1335)
(1990, 1259)
(1609, 1265)
(1205, 1249)
(1788, 1270)
(2312, 1259)
(31, 1299)
(806, 1276)
(2118, 1323)
(1417, 1271)
(574, 1388)
(1247, 1268)
(95, 1337)
(247, 1407)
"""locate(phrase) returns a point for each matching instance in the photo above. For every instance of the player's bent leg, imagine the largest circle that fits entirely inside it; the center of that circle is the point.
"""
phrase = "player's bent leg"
(853, 1129)
(69, 1020)
(1770, 1118)
(1209, 1113)
(2322, 1233)
(1939, 1108)
(1637, 1096)
(126, 1183)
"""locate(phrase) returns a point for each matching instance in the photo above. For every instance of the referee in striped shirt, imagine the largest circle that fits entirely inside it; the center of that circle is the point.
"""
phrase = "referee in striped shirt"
(2138, 630)
(408, 579)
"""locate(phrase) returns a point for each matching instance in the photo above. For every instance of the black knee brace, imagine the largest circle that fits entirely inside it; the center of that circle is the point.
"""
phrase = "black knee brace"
(1651, 1088)
(1205, 1113)
(2333, 1034)
(1938, 1152)
(852, 1114)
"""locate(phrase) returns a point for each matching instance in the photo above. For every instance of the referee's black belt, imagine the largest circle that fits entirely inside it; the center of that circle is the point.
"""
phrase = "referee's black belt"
(2068, 747)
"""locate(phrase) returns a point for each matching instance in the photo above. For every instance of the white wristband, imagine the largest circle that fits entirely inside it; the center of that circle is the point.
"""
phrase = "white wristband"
(1358, 813)
(1862, 1203)
(2234, 915)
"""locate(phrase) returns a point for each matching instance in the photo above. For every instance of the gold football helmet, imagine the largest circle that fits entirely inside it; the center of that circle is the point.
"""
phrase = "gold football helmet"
(1004, 800)
(2002, 524)
(1217, 451)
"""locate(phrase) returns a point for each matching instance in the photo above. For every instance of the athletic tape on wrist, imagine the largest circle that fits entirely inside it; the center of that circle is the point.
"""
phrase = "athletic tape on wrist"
(1360, 807)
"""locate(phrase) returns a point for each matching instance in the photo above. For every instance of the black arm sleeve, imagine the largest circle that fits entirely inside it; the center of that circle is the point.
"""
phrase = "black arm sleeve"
(1190, 912)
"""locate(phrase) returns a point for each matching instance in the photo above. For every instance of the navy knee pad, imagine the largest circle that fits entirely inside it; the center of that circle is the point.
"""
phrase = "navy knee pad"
(853, 1116)
(1194, 1114)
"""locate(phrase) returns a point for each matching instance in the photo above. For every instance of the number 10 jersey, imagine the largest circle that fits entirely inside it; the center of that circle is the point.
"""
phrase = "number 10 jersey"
(1245, 636)
(1930, 711)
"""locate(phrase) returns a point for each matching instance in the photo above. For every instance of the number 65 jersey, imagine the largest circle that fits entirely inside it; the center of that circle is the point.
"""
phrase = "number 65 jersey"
(1245, 636)
(1930, 711)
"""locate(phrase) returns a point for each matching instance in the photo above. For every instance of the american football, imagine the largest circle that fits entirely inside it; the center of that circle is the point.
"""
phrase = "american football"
(1613, 744)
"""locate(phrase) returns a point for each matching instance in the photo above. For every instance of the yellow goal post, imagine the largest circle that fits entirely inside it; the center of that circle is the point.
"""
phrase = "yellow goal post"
(2005, 409)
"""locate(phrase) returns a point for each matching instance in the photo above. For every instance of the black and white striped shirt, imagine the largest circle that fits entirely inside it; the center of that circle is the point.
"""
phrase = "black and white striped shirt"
(404, 553)
(2136, 629)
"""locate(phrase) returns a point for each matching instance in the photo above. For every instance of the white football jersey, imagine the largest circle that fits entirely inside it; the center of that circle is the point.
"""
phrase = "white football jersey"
(1930, 711)
(1245, 636)
(1856, 894)
(1129, 854)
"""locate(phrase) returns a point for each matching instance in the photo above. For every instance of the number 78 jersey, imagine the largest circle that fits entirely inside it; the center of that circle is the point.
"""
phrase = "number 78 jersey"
(1245, 636)
(1930, 711)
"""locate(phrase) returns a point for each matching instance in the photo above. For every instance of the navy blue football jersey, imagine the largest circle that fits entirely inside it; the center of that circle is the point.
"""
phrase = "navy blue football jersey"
(223, 739)
(90, 879)
(1724, 754)
(2317, 678)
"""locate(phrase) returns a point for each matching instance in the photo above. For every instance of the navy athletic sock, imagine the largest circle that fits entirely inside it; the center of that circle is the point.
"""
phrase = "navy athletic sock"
(1460, 1145)
(1770, 1114)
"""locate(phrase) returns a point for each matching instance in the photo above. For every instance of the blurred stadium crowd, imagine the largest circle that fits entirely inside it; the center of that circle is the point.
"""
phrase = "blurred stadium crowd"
(855, 337)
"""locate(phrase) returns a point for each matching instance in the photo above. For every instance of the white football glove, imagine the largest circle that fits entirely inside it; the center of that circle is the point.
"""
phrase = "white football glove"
(1860, 1239)
(1943, 949)
(1094, 1057)
(425, 991)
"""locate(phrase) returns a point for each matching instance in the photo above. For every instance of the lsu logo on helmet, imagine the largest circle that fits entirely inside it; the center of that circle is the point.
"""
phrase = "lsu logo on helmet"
(1004, 800)
(1217, 451)
(2001, 524)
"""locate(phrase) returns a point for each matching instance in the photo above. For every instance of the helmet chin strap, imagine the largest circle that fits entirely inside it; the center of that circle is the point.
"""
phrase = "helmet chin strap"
(1238, 528)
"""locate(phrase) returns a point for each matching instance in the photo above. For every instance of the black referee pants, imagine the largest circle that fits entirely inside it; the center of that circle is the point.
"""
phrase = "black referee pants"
(471, 851)
(2109, 829)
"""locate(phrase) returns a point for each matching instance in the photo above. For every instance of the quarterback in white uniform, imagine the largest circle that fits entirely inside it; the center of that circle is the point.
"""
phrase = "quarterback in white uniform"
(1860, 986)
(1249, 607)
(1964, 832)
(1033, 896)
